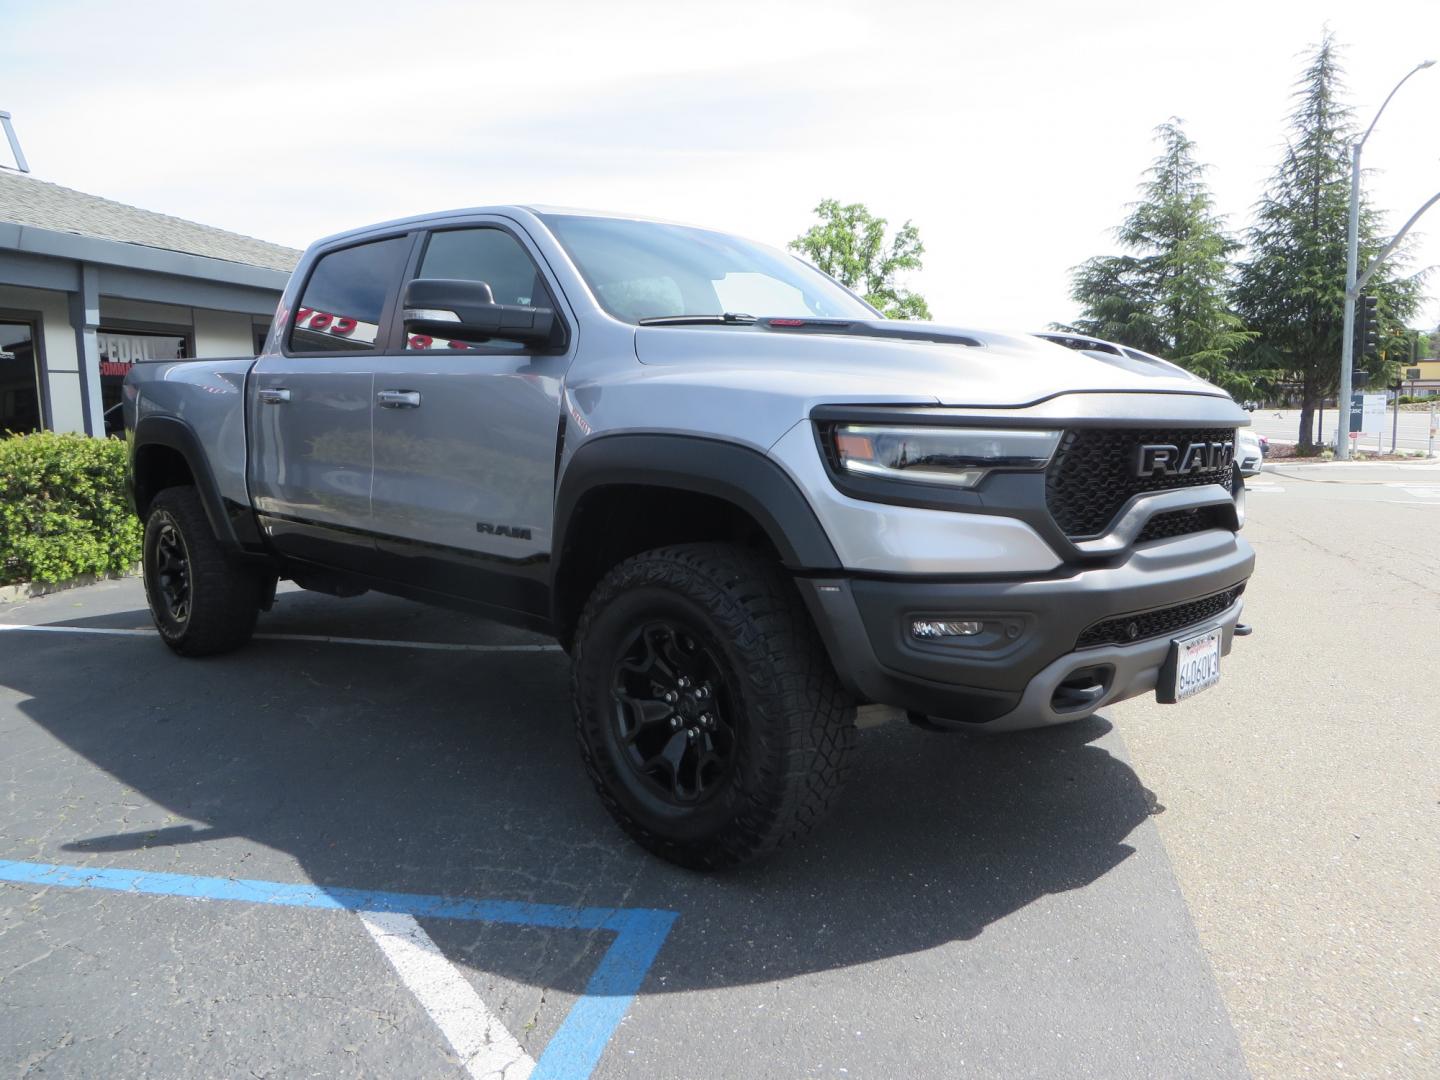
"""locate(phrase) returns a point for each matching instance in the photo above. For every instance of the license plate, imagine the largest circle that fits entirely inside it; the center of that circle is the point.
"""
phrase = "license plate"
(1193, 665)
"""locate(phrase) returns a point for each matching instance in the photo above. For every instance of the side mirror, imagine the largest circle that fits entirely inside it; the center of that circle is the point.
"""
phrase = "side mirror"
(454, 308)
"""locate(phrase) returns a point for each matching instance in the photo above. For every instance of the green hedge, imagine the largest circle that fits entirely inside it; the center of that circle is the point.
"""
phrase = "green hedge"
(62, 508)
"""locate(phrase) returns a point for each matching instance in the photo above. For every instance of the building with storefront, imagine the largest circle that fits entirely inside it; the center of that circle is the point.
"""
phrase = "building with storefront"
(89, 286)
(1421, 378)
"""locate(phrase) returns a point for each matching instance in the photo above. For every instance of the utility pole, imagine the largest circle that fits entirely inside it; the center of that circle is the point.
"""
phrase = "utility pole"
(1347, 330)
(1352, 286)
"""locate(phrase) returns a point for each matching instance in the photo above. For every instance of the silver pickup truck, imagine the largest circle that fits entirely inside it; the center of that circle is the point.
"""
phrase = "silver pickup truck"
(742, 501)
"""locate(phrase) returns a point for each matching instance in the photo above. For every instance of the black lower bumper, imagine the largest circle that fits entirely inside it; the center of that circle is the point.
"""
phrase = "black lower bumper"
(1057, 631)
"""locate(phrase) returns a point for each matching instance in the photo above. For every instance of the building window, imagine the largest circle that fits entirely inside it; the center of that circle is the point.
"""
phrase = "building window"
(119, 351)
(19, 378)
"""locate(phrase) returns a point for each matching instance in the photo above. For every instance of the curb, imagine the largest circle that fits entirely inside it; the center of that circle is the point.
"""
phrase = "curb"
(1407, 463)
(30, 590)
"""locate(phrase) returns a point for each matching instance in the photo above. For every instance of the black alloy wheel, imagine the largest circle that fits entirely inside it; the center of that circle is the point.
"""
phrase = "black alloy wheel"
(203, 601)
(707, 711)
(675, 715)
(172, 569)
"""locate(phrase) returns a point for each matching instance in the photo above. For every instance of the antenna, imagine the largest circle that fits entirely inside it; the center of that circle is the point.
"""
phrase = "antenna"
(20, 162)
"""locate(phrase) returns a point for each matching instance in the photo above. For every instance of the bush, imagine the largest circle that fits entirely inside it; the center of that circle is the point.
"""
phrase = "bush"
(63, 510)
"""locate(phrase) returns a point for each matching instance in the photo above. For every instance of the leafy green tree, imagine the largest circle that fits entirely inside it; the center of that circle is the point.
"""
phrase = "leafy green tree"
(1170, 294)
(849, 244)
(1291, 287)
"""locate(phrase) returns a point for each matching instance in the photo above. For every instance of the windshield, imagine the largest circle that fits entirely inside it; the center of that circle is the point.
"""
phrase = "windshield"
(646, 270)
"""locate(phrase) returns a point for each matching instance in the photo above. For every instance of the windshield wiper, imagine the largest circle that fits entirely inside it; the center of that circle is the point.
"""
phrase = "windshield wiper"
(699, 320)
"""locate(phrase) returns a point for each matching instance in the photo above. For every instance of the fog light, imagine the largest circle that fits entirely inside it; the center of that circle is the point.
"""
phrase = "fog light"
(931, 630)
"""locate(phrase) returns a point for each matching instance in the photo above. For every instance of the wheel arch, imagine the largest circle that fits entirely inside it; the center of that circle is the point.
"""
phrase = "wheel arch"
(166, 452)
(622, 494)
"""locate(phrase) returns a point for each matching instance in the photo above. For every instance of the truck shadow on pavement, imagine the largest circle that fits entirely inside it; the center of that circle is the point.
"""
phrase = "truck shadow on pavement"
(457, 773)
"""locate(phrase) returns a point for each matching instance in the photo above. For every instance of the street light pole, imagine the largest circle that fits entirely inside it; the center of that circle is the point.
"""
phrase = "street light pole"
(1347, 339)
(1352, 293)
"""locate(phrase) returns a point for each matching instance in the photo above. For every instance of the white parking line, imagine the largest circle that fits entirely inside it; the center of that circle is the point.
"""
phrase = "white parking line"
(487, 1050)
(436, 646)
(575, 1047)
(78, 630)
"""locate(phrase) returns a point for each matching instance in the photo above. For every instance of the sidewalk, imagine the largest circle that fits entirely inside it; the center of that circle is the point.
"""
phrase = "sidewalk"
(1352, 472)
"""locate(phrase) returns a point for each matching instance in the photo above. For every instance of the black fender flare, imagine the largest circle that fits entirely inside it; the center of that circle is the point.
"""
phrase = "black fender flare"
(746, 478)
(175, 434)
(725, 470)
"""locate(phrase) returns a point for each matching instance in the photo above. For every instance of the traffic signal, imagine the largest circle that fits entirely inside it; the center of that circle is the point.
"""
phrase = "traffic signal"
(1367, 328)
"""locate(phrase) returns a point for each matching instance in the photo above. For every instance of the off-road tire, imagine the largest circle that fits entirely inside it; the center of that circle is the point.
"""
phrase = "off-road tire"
(794, 723)
(223, 595)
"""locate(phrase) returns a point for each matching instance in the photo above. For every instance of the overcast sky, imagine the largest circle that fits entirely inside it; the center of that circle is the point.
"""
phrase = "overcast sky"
(1012, 134)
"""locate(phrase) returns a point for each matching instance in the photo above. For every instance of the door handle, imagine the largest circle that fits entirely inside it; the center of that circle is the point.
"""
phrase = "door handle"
(398, 399)
(274, 395)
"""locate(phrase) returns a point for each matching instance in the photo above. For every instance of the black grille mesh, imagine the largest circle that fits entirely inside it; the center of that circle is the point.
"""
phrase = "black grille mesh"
(1184, 522)
(1125, 629)
(1093, 474)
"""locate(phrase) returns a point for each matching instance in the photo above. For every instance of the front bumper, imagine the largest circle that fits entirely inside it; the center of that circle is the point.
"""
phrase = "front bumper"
(1026, 668)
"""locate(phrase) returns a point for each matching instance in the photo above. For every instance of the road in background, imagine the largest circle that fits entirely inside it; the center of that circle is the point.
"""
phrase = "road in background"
(1284, 424)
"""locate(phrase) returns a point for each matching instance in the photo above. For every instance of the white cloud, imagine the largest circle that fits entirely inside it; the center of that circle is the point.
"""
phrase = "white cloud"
(1013, 135)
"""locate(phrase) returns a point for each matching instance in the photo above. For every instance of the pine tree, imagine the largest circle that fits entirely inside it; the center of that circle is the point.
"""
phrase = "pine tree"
(1291, 288)
(1170, 295)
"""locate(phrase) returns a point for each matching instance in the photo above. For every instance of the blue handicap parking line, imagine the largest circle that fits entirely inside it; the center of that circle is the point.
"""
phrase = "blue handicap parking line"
(572, 1052)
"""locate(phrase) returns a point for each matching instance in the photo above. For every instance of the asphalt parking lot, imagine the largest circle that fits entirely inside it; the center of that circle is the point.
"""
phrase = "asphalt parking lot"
(211, 867)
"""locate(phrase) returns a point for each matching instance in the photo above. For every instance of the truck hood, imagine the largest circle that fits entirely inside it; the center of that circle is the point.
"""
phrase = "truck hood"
(999, 370)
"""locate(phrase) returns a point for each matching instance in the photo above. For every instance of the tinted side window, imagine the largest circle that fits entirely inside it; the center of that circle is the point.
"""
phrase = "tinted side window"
(343, 300)
(489, 255)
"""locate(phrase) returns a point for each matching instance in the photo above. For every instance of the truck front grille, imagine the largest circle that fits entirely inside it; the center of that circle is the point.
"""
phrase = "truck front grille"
(1184, 522)
(1128, 629)
(1093, 474)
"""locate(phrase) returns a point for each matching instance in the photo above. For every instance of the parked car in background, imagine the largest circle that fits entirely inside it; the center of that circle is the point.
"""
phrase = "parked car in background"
(1250, 450)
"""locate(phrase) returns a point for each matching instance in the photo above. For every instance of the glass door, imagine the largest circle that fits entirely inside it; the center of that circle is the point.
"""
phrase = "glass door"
(19, 378)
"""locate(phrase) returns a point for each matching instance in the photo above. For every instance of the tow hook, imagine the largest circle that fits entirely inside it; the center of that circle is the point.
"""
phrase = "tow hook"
(1243, 629)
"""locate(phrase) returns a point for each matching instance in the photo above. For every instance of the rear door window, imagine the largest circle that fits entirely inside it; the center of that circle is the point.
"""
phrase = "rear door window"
(343, 305)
